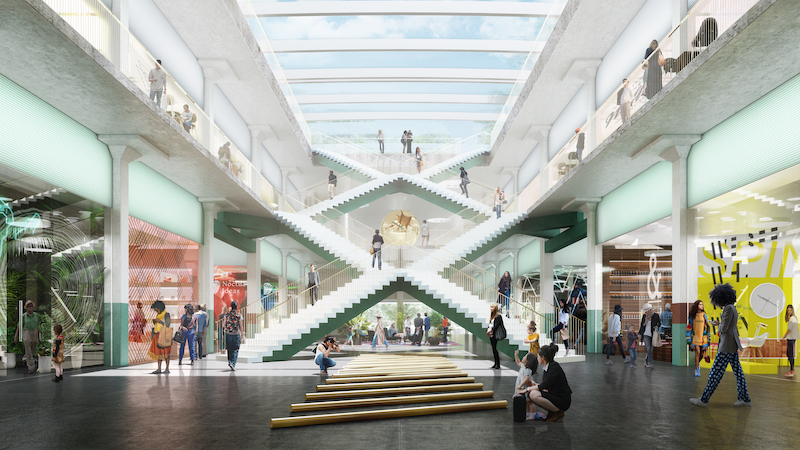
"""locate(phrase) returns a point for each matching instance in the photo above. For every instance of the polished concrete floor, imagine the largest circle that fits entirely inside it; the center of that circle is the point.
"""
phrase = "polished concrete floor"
(207, 406)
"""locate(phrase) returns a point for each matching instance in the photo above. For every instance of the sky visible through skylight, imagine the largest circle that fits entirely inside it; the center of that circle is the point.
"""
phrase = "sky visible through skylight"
(324, 29)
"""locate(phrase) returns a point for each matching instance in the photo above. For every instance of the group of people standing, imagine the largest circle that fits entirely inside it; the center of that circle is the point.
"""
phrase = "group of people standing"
(406, 140)
(648, 336)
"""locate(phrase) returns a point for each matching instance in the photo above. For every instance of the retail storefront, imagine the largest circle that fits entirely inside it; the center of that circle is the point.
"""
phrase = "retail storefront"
(750, 238)
(51, 253)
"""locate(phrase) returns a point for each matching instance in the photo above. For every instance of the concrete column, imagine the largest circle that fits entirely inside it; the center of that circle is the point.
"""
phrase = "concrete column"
(255, 158)
(594, 281)
(546, 288)
(120, 10)
(679, 10)
(283, 282)
(205, 270)
(680, 40)
(589, 76)
(543, 137)
(254, 280)
(285, 172)
(116, 259)
(683, 290)
(209, 77)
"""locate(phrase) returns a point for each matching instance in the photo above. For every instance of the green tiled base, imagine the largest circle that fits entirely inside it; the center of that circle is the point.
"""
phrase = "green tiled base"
(116, 334)
(680, 351)
(594, 327)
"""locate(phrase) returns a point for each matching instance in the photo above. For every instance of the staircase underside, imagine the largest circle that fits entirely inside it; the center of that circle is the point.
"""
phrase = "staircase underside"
(332, 324)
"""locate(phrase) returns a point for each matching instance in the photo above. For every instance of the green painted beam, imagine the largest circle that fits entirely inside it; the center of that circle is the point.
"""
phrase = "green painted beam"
(268, 225)
(566, 238)
(233, 237)
(549, 223)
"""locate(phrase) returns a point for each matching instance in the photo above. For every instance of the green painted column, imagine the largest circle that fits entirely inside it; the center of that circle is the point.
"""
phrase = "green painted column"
(115, 334)
(594, 330)
(680, 351)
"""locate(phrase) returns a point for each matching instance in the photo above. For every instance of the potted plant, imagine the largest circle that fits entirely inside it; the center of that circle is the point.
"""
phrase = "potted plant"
(436, 328)
(44, 359)
(360, 325)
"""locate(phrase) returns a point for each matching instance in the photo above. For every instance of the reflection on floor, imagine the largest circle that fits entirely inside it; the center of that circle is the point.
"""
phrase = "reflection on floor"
(613, 406)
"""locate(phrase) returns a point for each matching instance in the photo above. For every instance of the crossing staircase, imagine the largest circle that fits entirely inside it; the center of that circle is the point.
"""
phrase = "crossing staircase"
(294, 323)
(441, 171)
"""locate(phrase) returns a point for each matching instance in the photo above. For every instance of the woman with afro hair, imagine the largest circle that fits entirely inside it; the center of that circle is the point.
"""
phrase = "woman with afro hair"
(724, 296)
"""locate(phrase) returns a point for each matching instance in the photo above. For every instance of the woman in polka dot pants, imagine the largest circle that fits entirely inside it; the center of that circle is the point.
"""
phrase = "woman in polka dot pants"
(724, 296)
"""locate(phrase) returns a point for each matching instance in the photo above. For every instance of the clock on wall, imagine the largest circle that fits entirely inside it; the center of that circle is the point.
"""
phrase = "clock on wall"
(767, 300)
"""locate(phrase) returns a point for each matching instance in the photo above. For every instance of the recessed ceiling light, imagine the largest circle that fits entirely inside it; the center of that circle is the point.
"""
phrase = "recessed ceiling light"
(727, 231)
(727, 219)
(793, 199)
(711, 235)
(714, 212)
(437, 220)
(742, 213)
(699, 217)
(765, 219)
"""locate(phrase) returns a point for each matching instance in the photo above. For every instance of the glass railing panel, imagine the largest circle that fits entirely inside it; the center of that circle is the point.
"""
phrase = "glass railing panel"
(707, 20)
(95, 22)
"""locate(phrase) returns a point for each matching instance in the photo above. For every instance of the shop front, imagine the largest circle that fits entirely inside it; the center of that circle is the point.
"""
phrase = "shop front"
(750, 238)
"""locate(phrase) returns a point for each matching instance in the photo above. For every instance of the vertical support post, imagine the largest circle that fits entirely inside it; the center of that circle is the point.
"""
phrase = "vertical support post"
(590, 77)
(209, 76)
(680, 40)
(116, 257)
(682, 246)
(255, 158)
(543, 136)
(205, 270)
(594, 281)
(120, 10)
(285, 172)
(546, 284)
(254, 280)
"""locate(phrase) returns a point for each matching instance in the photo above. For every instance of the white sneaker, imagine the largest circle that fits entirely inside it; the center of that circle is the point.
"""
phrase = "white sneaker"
(698, 402)
(742, 403)
(627, 360)
(608, 362)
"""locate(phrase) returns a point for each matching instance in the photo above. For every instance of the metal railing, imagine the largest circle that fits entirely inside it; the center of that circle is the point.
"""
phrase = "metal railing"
(702, 25)
(393, 145)
(95, 22)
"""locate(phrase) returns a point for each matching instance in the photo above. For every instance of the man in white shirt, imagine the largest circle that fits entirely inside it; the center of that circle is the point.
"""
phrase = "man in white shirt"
(614, 328)
(158, 83)
(426, 232)
(625, 101)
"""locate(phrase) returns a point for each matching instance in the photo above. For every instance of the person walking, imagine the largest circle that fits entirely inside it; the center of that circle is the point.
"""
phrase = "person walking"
(409, 140)
(313, 284)
(403, 140)
(580, 144)
(792, 335)
(188, 324)
(498, 202)
(30, 336)
(631, 344)
(553, 393)
(221, 328)
(445, 326)
(418, 160)
(380, 140)
(58, 352)
(496, 332)
(464, 182)
(563, 320)
(614, 329)
(380, 334)
(377, 244)
(418, 322)
(427, 325)
(233, 334)
(625, 101)
(425, 231)
(697, 333)
(158, 83)
(651, 322)
(724, 296)
(655, 62)
(324, 349)
(201, 321)
(161, 320)
(331, 184)
(407, 325)
(504, 292)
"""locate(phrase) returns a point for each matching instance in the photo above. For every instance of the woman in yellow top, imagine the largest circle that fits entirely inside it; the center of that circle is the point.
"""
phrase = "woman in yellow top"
(697, 333)
(161, 320)
(532, 339)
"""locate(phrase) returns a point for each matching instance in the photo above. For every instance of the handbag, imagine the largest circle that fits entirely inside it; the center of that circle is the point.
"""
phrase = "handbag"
(179, 337)
(564, 334)
(500, 333)
(164, 337)
(657, 339)
(609, 349)
(372, 250)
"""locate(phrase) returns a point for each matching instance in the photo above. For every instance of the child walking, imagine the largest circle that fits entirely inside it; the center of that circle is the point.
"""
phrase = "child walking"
(632, 345)
(58, 353)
